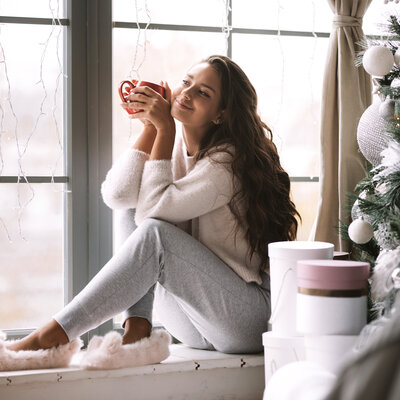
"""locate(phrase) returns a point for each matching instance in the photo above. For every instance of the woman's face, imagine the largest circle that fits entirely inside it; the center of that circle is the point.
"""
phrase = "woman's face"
(195, 102)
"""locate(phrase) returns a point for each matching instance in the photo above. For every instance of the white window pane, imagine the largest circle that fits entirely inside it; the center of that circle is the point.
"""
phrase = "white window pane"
(294, 15)
(169, 54)
(287, 73)
(305, 197)
(31, 99)
(377, 14)
(31, 267)
(29, 8)
(178, 12)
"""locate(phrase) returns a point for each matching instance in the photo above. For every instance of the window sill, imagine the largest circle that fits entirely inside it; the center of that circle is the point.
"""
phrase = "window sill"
(187, 373)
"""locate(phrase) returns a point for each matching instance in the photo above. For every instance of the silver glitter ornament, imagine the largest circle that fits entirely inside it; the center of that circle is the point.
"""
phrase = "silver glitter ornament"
(371, 135)
(385, 238)
(356, 211)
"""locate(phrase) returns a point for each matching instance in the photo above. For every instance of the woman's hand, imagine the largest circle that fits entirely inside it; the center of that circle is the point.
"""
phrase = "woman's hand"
(154, 109)
(145, 122)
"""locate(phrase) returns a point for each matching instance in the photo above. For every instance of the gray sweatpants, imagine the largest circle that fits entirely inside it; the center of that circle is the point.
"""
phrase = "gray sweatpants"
(199, 299)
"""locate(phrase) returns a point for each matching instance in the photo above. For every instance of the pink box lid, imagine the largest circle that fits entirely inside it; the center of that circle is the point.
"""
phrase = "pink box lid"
(332, 274)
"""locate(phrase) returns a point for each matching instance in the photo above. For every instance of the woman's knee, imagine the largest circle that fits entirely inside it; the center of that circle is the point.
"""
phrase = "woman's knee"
(150, 224)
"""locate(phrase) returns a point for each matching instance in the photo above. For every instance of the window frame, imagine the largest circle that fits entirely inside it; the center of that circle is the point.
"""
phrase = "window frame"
(88, 241)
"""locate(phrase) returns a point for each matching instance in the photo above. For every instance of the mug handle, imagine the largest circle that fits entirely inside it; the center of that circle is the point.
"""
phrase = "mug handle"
(123, 87)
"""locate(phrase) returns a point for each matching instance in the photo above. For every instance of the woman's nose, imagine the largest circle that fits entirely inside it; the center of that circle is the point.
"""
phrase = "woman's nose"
(186, 93)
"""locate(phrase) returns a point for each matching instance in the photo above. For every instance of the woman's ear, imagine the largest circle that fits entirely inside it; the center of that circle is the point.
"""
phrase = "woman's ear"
(219, 118)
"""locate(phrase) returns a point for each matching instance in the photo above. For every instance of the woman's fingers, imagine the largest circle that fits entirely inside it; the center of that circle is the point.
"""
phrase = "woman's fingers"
(144, 90)
(143, 95)
(168, 91)
(137, 97)
(148, 104)
(141, 116)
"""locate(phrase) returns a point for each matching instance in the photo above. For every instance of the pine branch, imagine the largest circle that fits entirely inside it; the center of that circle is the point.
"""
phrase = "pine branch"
(392, 196)
(367, 185)
(394, 26)
(384, 84)
(393, 129)
(394, 227)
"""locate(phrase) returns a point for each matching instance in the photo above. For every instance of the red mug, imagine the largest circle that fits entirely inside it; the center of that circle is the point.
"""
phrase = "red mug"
(125, 88)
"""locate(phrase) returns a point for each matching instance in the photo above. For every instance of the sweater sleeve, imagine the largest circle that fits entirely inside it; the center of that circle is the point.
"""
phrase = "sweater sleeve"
(205, 188)
(120, 189)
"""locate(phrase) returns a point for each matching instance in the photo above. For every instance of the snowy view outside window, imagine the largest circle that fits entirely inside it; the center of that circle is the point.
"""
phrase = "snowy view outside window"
(287, 71)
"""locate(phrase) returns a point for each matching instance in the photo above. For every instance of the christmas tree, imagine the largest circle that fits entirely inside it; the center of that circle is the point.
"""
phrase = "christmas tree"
(375, 230)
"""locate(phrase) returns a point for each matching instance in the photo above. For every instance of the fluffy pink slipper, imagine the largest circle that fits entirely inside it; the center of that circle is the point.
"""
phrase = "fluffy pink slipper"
(56, 357)
(109, 353)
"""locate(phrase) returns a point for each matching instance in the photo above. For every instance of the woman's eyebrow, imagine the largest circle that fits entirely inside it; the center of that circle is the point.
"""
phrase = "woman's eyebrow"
(201, 84)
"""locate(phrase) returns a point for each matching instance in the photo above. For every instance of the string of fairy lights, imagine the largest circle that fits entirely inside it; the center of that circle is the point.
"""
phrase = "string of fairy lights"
(23, 136)
(142, 14)
(141, 38)
(7, 100)
(140, 48)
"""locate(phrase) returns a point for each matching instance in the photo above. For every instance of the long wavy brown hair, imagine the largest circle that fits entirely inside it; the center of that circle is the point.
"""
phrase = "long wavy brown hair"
(262, 184)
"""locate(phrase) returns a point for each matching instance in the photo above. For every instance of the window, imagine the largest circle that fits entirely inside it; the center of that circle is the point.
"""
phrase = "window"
(61, 124)
(32, 143)
(54, 229)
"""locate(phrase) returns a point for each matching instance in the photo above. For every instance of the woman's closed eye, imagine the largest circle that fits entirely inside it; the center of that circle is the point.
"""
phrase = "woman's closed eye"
(203, 93)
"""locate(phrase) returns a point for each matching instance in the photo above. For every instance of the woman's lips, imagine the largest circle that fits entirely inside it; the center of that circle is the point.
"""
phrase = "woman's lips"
(182, 105)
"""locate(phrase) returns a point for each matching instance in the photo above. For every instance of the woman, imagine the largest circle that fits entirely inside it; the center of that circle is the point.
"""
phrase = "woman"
(206, 209)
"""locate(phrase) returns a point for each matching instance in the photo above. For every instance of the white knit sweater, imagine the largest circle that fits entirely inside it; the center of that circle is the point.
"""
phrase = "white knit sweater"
(192, 195)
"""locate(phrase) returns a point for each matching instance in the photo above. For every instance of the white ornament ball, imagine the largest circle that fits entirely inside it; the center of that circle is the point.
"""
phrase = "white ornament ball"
(378, 60)
(360, 231)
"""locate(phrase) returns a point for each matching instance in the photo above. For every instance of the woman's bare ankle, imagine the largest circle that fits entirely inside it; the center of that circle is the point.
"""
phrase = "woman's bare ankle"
(136, 328)
(50, 335)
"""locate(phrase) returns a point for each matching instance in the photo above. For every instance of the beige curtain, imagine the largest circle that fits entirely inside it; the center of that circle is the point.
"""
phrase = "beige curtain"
(346, 94)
